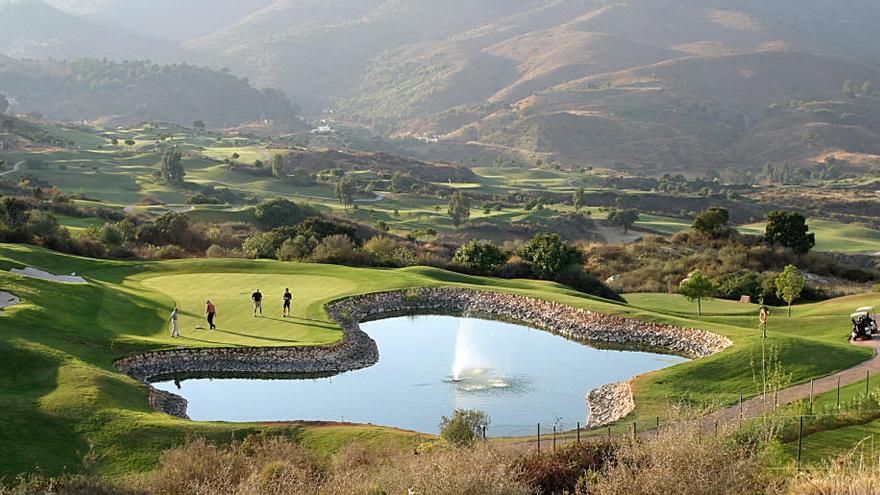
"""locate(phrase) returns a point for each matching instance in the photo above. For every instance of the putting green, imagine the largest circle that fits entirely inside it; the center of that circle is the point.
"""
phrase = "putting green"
(60, 395)
(231, 293)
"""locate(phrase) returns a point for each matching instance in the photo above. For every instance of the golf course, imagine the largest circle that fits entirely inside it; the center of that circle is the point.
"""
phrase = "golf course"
(63, 400)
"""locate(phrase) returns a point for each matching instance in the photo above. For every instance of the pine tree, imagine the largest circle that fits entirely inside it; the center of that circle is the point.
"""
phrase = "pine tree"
(459, 208)
(172, 167)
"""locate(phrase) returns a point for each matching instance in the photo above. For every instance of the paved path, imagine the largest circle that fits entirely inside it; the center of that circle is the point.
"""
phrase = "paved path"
(752, 407)
(15, 168)
(755, 406)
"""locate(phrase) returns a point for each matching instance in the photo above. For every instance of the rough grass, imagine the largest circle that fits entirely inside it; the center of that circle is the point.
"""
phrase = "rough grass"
(61, 398)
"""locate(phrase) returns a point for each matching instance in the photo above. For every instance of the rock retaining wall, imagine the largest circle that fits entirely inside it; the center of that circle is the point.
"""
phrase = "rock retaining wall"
(357, 350)
(610, 403)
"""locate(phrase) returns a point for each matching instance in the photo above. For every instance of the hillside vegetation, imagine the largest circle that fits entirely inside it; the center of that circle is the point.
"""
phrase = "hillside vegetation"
(132, 92)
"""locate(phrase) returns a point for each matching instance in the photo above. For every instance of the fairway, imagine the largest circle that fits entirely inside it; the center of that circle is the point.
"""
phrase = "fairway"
(833, 236)
(61, 394)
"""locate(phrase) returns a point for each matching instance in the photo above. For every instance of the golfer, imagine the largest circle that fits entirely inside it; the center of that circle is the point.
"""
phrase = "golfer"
(257, 297)
(210, 313)
(285, 311)
(175, 331)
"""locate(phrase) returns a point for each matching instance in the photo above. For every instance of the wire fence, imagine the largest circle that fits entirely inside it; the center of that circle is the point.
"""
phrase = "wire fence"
(794, 421)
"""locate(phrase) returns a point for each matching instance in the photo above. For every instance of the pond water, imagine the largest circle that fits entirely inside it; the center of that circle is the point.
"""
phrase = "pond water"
(429, 366)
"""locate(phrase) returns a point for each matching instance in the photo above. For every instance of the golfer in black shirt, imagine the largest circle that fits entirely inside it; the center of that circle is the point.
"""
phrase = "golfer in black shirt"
(257, 297)
(285, 311)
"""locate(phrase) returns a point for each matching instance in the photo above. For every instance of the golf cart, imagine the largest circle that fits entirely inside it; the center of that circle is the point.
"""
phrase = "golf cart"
(871, 317)
(864, 323)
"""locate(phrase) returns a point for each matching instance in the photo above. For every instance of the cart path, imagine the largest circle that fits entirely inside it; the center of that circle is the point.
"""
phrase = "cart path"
(755, 406)
(15, 168)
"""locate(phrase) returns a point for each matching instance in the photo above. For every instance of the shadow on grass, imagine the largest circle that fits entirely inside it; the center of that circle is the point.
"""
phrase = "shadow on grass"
(325, 326)
(256, 337)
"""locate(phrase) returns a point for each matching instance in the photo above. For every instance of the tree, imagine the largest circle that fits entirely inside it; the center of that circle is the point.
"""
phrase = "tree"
(464, 427)
(789, 229)
(199, 125)
(713, 223)
(867, 89)
(172, 169)
(130, 143)
(397, 182)
(549, 254)
(624, 218)
(577, 199)
(262, 245)
(696, 288)
(848, 88)
(789, 286)
(278, 165)
(459, 208)
(280, 212)
(345, 192)
(482, 256)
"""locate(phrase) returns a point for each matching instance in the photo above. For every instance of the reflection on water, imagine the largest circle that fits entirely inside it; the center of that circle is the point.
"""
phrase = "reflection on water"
(430, 365)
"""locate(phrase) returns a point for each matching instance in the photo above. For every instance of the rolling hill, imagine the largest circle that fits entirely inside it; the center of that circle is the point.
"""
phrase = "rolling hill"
(33, 29)
(115, 93)
(673, 84)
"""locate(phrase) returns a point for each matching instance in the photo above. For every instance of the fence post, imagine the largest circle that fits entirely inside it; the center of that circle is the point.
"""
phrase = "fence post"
(741, 412)
(635, 430)
(658, 426)
(539, 438)
(554, 438)
(811, 396)
(838, 393)
(716, 428)
(609, 433)
(579, 433)
(484, 433)
(800, 442)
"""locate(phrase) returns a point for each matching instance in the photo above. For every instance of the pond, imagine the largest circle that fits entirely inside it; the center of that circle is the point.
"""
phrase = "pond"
(429, 366)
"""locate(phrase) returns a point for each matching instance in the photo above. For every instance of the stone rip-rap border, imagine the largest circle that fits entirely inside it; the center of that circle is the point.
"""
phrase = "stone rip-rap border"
(357, 350)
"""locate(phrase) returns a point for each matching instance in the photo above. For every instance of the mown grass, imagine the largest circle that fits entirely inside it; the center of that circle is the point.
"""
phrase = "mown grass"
(834, 236)
(61, 397)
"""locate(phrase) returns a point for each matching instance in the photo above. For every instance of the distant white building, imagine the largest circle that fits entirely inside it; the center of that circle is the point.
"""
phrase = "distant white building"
(324, 129)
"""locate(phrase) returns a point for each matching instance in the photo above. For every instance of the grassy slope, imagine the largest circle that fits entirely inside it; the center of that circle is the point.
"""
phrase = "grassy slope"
(59, 393)
(834, 236)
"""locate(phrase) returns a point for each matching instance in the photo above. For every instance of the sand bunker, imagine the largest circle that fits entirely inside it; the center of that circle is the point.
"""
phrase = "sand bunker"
(40, 274)
(7, 299)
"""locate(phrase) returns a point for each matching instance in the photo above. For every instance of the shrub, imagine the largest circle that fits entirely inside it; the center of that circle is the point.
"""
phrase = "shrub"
(296, 248)
(683, 461)
(320, 227)
(560, 471)
(382, 248)
(281, 212)
(170, 252)
(215, 251)
(464, 427)
(338, 249)
(575, 277)
(261, 245)
(549, 254)
(481, 256)
(735, 285)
